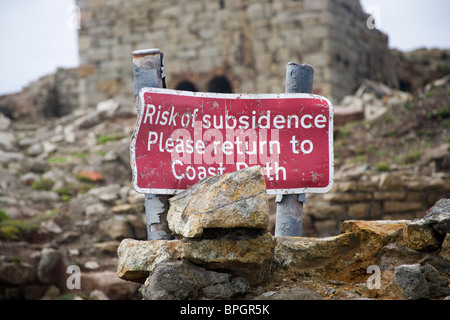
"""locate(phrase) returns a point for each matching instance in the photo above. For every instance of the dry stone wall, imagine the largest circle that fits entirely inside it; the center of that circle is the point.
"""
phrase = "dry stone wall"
(234, 258)
(362, 193)
(232, 45)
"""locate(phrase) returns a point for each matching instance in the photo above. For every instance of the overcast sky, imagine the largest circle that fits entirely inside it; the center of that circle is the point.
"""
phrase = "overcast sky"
(36, 36)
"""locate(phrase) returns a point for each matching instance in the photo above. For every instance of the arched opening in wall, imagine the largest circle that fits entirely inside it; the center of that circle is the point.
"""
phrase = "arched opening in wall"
(220, 84)
(186, 86)
(405, 85)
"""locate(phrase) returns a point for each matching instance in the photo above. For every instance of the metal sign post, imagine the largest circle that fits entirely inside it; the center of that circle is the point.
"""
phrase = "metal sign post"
(299, 79)
(148, 71)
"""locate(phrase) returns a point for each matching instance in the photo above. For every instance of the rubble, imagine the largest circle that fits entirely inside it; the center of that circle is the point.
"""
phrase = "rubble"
(257, 256)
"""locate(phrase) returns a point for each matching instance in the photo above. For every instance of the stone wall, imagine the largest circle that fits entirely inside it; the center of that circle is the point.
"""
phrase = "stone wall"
(232, 45)
(361, 193)
(355, 52)
(235, 257)
(52, 95)
(418, 68)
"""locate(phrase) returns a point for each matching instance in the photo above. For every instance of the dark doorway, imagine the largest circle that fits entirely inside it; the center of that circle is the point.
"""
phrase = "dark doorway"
(219, 84)
(186, 86)
(405, 85)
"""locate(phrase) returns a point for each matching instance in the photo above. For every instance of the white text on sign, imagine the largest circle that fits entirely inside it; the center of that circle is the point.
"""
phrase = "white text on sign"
(182, 137)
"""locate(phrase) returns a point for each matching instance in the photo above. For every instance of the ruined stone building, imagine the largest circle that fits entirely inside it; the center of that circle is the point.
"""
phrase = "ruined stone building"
(230, 45)
(225, 46)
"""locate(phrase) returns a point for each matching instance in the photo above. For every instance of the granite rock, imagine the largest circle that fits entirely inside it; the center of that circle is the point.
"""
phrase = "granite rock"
(233, 200)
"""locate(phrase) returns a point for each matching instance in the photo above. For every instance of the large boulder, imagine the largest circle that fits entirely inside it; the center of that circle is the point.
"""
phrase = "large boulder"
(428, 233)
(411, 281)
(439, 217)
(234, 200)
(240, 255)
(183, 280)
(219, 223)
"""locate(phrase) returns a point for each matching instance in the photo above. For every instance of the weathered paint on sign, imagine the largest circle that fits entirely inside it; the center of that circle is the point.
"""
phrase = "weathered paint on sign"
(182, 137)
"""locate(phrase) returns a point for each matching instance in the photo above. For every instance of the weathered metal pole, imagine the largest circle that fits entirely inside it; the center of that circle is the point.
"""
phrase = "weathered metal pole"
(299, 79)
(148, 70)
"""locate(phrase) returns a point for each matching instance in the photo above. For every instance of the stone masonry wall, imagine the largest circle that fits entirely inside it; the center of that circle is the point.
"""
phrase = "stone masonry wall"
(361, 193)
(355, 51)
(229, 45)
(52, 95)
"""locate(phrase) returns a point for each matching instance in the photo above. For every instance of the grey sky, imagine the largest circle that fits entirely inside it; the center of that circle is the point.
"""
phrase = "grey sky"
(411, 24)
(35, 41)
(36, 38)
